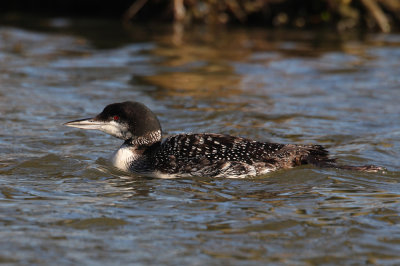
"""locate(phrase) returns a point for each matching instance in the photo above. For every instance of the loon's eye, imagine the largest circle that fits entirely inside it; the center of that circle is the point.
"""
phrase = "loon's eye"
(116, 118)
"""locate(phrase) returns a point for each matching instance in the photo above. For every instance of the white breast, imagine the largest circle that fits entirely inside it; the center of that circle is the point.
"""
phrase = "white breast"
(123, 157)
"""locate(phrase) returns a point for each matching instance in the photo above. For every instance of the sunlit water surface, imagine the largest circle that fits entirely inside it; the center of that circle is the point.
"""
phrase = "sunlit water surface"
(62, 203)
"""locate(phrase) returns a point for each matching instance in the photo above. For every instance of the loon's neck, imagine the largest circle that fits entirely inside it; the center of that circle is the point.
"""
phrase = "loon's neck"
(147, 139)
(131, 154)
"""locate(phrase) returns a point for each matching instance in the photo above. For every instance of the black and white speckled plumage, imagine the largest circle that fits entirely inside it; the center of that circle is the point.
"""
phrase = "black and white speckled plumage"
(204, 154)
(219, 155)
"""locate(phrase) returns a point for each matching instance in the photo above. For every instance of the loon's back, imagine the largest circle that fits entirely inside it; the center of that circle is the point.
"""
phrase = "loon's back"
(217, 155)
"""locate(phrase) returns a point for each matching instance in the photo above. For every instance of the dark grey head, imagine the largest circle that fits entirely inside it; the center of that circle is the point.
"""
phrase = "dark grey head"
(126, 120)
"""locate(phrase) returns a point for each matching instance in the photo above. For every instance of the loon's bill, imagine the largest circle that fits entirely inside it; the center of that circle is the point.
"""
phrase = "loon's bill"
(205, 154)
(87, 123)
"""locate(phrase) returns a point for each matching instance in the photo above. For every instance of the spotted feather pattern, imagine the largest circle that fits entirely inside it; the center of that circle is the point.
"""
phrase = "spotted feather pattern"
(217, 155)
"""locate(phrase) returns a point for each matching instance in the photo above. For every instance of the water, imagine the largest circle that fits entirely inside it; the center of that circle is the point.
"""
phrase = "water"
(62, 203)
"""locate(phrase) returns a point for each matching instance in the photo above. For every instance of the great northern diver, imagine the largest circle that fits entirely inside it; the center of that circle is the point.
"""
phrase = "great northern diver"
(209, 155)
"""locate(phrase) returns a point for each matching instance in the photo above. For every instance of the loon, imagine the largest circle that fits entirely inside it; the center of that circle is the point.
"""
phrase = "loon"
(196, 155)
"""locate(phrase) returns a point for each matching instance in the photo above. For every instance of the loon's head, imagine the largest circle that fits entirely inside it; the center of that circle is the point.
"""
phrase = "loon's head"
(127, 120)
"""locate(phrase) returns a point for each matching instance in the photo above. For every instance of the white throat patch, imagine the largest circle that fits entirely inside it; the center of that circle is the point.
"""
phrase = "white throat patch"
(123, 157)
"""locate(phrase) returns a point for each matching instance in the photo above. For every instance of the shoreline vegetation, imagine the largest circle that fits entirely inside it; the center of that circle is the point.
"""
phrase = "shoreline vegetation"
(342, 15)
(382, 15)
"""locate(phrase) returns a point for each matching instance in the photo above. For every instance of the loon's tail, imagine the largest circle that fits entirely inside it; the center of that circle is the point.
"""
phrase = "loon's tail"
(319, 156)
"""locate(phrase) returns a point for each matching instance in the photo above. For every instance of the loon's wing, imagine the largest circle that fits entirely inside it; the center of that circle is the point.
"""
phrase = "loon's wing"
(215, 154)
(217, 147)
